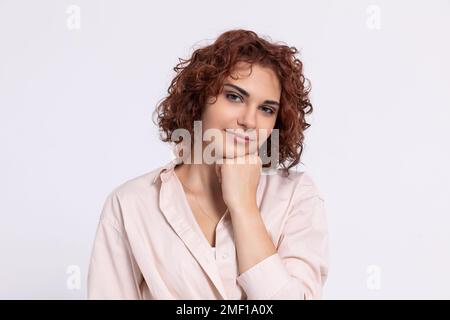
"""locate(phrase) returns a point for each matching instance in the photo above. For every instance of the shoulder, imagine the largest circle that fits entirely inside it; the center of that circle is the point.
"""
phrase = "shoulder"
(137, 186)
(296, 184)
(138, 189)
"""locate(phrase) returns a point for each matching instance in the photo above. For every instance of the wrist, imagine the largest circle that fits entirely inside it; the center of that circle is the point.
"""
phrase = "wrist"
(250, 210)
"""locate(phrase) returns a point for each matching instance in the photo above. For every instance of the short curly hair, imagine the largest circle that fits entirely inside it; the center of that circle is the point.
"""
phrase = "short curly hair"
(202, 76)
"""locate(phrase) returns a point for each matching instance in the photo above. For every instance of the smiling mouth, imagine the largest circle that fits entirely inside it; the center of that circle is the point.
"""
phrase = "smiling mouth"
(240, 138)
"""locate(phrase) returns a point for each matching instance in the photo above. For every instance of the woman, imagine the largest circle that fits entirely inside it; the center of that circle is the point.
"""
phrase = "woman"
(230, 225)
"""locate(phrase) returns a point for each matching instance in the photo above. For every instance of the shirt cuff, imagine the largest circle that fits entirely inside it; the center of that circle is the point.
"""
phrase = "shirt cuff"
(265, 279)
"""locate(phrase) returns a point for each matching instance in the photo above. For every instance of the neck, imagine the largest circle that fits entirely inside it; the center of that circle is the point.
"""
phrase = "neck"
(200, 178)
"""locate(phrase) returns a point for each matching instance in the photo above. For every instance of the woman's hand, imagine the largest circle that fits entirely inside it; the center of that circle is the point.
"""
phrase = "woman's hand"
(239, 181)
(239, 178)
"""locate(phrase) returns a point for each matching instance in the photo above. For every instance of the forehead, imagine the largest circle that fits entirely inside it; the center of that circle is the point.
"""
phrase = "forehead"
(260, 82)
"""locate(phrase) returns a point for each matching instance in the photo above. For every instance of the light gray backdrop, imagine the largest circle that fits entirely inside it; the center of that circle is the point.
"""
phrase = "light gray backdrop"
(80, 79)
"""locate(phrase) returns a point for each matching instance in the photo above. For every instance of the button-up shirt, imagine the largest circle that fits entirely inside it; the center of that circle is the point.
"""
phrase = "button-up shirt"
(148, 244)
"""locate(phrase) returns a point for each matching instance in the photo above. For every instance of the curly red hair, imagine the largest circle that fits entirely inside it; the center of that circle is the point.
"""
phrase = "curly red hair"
(202, 76)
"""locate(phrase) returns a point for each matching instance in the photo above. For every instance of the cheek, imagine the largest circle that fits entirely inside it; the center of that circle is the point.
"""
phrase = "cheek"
(217, 114)
(264, 133)
(209, 119)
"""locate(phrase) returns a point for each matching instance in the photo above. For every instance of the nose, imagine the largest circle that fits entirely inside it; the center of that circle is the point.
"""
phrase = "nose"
(248, 118)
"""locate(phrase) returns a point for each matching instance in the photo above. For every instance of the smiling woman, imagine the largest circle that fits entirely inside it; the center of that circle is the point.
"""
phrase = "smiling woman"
(246, 107)
(240, 68)
(268, 231)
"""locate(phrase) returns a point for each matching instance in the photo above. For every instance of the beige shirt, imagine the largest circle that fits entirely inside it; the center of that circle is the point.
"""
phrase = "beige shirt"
(148, 244)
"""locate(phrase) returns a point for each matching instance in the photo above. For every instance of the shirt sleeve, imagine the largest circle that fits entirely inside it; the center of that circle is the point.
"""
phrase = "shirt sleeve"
(113, 271)
(299, 268)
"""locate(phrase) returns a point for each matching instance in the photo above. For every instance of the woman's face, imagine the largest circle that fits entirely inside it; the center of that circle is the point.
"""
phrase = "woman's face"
(249, 103)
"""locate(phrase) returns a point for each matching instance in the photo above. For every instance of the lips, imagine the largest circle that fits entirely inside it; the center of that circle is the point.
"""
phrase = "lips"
(241, 137)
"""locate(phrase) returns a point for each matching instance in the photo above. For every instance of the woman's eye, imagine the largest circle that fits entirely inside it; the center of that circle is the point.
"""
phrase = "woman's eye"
(268, 110)
(232, 97)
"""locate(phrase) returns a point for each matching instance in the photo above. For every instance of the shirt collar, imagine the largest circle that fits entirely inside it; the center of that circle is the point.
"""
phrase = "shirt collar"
(183, 223)
(164, 171)
(175, 209)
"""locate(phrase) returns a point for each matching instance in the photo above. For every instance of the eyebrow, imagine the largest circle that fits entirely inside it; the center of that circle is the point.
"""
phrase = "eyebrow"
(245, 93)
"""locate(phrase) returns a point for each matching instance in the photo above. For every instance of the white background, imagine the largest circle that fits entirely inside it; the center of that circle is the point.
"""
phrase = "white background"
(75, 122)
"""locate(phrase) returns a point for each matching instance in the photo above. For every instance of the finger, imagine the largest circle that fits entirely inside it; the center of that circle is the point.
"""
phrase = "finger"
(219, 172)
(253, 158)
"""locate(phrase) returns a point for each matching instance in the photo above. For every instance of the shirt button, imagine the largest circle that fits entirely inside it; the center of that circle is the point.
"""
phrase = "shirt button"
(224, 255)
